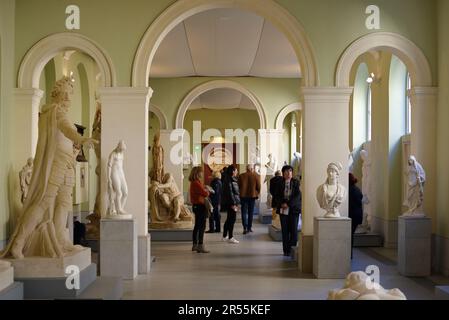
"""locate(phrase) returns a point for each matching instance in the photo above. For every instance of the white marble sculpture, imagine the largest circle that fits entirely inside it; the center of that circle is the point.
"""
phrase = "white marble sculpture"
(366, 191)
(359, 286)
(42, 226)
(296, 164)
(117, 186)
(331, 193)
(271, 168)
(416, 178)
(167, 209)
(254, 158)
(25, 178)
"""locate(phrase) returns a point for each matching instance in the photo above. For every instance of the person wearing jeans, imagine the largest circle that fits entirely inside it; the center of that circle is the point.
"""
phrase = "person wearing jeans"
(198, 193)
(249, 185)
(231, 201)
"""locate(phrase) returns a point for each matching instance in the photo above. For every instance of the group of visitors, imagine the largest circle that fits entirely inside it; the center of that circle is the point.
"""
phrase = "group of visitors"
(228, 191)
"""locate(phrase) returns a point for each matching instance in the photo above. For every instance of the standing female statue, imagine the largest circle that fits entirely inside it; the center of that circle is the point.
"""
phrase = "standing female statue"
(415, 188)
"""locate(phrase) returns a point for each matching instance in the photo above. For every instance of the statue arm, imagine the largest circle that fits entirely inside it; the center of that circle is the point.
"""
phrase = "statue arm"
(66, 126)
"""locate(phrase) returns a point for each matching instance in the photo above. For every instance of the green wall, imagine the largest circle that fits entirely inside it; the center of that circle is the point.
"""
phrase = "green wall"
(330, 25)
(443, 116)
(273, 94)
(6, 107)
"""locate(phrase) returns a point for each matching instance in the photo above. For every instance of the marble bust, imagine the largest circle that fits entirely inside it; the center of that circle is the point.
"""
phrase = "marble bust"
(117, 186)
(416, 178)
(358, 286)
(331, 193)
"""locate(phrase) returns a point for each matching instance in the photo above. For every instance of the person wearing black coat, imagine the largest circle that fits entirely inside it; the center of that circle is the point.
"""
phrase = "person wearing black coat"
(231, 201)
(355, 206)
(287, 198)
(215, 198)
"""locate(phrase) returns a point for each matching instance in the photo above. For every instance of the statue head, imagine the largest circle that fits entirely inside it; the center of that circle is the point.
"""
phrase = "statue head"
(121, 146)
(333, 172)
(61, 91)
(167, 178)
(411, 161)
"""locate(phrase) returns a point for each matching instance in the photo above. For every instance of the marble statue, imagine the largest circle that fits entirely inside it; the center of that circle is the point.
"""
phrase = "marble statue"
(331, 193)
(117, 186)
(25, 178)
(271, 167)
(351, 162)
(366, 191)
(167, 205)
(157, 171)
(93, 227)
(416, 177)
(41, 229)
(255, 159)
(359, 286)
(296, 164)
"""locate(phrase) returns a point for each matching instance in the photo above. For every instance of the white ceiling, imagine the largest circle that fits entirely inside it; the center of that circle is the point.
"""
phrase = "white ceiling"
(227, 43)
(223, 98)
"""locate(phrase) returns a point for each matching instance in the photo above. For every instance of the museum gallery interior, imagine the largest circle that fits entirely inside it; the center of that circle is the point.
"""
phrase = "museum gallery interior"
(224, 149)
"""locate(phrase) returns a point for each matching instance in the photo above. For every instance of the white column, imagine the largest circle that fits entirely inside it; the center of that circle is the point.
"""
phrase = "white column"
(325, 140)
(423, 141)
(125, 117)
(172, 142)
(26, 116)
(270, 141)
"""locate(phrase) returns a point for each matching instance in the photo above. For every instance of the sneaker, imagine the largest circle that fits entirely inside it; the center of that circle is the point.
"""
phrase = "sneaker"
(233, 240)
(225, 239)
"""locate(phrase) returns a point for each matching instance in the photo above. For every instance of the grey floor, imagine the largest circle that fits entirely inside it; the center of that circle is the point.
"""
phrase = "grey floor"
(254, 269)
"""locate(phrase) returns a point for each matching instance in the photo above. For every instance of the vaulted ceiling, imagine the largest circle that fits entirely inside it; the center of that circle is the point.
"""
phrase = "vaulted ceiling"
(225, 43)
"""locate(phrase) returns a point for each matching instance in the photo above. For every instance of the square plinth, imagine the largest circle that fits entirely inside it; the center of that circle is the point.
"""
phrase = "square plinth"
(6, 275)
(331, 248)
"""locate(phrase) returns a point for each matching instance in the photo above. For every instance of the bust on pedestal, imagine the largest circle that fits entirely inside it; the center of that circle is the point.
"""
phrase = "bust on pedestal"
(331, 233)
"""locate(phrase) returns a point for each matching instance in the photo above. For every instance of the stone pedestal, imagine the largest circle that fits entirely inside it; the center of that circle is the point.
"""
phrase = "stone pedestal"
(118, 248)
(414, 246)
(6, 275)
(331, 248)
(275, 234)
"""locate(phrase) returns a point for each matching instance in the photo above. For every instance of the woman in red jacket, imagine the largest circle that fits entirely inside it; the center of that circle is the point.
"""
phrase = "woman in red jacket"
(198, 193)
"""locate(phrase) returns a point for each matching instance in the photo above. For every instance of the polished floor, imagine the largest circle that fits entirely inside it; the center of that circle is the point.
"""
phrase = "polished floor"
(254, 269)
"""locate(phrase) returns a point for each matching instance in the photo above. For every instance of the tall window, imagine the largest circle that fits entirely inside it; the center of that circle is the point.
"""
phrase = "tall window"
(408, 107)
(368, 114)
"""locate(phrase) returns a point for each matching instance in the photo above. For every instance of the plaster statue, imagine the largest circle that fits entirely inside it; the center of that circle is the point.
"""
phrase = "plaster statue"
(359, 286)
(271, 167)
(93, 227)
(366, 191)
(167, 205)
(117, 186)
(296, 164)
(157, 171)
(416, 178)
(331, 193)
(25, 178)
(255, 159)
(41, 229)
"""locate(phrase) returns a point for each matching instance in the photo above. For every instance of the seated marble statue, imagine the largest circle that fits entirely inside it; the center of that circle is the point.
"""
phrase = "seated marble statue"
(416, 178)
(42, 227)
(359, 286)
(167, 205)
(331, 194)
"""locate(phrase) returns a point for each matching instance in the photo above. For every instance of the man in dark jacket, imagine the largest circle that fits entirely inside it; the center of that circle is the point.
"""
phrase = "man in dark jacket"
(288, 205)
(355, 206)
(215, 197)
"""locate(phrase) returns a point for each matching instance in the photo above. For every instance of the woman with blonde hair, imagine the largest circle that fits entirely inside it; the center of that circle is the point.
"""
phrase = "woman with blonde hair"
(198, 194)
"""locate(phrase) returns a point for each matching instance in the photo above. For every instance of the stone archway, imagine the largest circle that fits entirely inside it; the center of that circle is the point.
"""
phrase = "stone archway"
(183, 9)
(43, 51)
(218, 84)
(406, 50)
(297, 106)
